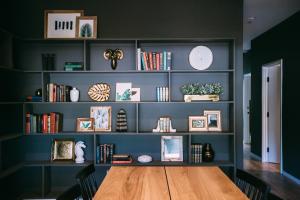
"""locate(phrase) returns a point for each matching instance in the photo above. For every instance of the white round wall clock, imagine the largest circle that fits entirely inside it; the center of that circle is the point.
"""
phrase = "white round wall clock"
(201, 57)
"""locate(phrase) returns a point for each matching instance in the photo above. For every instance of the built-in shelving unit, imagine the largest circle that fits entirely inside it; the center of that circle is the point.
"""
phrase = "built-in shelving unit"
(141, 116)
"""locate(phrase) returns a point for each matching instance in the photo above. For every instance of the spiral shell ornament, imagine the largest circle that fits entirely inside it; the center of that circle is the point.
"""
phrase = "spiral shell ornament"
(99, 92)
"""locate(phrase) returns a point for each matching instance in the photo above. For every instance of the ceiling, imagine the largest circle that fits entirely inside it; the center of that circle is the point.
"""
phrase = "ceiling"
(261, 15)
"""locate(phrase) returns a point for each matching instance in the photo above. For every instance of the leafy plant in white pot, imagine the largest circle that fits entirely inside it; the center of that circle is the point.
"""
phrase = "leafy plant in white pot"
(204, 92)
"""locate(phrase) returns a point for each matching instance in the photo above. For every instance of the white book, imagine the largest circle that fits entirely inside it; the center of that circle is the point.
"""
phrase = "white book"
(138, 59)
(160, 94)
(167, 94)
(163, 93)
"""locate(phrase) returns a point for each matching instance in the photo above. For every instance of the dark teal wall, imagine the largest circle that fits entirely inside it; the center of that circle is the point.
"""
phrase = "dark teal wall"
(281, 42)
(247, 62)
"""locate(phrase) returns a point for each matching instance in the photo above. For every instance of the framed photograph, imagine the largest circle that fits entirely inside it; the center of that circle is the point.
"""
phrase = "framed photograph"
(61, 23)
(213, 120)
(86, 27)
(198, 123)
(63, 150)
(135, 94)
(102, 117)
(85, 125)
(123, 91)
(171, 148)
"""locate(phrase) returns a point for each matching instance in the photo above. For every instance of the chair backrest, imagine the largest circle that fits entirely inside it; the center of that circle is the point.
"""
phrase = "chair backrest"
(87, 182)
(272, 196)
(71, 193)
(253, 187)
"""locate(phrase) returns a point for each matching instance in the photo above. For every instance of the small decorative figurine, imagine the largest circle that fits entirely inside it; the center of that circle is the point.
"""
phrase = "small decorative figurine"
(79, 152)
(74, 95)
(121, 121)
(114, 56)
(38, 92)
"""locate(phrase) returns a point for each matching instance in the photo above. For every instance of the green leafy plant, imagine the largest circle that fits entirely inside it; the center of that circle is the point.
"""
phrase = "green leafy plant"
(202, 89)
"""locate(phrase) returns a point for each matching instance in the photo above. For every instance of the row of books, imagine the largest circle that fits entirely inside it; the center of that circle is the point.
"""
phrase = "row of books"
(44, 123)
(104, 153)
(153, 61)
(196, 153)
(58, 93)
(162, 94)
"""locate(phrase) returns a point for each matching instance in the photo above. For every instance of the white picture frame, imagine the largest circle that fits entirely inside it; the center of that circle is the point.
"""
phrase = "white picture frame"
(214, 122)
(123, 91)
(198, 123)
(102, 117)
(172, 148)
(61, 23)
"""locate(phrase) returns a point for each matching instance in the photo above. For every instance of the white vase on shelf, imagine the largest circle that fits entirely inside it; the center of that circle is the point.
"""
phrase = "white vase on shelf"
(74, 95)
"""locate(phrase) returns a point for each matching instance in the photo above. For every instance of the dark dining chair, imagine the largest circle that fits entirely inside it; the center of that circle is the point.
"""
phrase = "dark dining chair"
(254, 188)
(87, 182)
(71, 193)
(272, 196)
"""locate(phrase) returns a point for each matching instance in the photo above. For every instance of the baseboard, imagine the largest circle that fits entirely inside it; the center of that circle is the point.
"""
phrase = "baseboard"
(291, 177)
(256, 157)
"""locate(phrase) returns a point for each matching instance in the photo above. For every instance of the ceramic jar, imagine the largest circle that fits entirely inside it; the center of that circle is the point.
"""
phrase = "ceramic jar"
(74, 95)
(208, 153)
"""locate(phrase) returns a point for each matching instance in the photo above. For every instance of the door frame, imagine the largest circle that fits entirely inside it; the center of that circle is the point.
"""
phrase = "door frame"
(264, 110)
(248, 75)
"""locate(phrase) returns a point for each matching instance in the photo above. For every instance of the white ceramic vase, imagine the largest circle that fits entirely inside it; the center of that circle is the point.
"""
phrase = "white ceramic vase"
(74, 95)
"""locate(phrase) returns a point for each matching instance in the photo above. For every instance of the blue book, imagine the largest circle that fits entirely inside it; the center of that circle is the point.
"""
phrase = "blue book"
(165, 60)
(157, 93)
(143, 65)
(98, 154)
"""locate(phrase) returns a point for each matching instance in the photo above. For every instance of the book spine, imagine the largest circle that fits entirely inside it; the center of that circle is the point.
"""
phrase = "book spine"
(111, 152)
(27, 124)
(154, 60)
(138, 58)
(54, 93)
(50, 92)
(163, 93)
(157, 93)
(165, 60)
(97, 154)
(48, 123)
(160, 94)
(52, 122)
(150, 60)
(161, 61)
(143, 65)
(45, 123)
(167, 94)
(146, 61)
(104, 153)
(157, 61)
(101, 154)
(34, 123)
(169, 60)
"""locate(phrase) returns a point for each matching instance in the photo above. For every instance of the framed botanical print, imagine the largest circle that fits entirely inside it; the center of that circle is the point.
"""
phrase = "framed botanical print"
(102, 117)
(86, 27)
(171, 148)
(197, 123)
(61, 23)
(85, 125)
(213, 120)
(63, 150)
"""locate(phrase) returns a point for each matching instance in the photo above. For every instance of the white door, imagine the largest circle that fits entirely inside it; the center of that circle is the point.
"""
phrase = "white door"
(246, 108)
(272, 113)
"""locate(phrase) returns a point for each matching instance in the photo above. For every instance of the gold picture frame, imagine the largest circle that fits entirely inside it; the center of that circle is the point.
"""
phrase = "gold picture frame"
(85, 23)
(59, 24)
(63, 150)
(102, 117)
(85, 125)
(198, 123)
(214, 122)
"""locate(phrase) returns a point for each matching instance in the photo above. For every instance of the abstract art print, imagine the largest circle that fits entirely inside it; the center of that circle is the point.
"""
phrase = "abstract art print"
(63, 150)
(123, 91)
(61, 23)
(213, 120)
(86, 27)
(102, 117)
(171, 148)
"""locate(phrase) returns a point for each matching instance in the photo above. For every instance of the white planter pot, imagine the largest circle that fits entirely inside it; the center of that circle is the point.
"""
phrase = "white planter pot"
(189, 98)
(74, 95)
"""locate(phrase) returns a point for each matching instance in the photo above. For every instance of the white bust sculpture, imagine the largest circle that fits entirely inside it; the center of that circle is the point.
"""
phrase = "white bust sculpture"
(79, 152)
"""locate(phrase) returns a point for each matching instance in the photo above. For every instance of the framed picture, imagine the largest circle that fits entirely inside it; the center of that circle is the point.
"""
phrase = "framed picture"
(213, 120)
(86, 27)
(85, 124)
(63, 150)
(197, 123)
(61, 23)
(171, 148)
(123, 91)
(102, 117)
(135, 94)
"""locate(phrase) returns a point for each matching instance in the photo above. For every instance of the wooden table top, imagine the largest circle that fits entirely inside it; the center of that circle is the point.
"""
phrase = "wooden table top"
(171, 183)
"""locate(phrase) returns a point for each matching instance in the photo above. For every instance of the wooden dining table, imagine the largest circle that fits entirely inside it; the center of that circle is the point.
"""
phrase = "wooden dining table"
(167, 183)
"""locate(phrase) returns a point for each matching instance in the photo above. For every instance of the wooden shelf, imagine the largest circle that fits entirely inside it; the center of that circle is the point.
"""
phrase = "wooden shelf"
(48, 163)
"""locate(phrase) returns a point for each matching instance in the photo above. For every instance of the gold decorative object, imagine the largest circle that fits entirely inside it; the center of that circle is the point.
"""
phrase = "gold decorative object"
(99, 92)
(63, 150)
(210, 97)
(114, 56)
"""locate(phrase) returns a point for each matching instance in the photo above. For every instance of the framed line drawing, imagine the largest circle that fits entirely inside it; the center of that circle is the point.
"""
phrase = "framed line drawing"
(61, 23)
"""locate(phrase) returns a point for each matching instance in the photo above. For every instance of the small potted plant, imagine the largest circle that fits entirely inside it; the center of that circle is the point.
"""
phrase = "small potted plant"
(206, 92)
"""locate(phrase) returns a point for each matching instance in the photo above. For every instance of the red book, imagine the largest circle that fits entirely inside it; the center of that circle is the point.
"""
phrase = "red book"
(121, 161)
(150, 60)
(54, 93)
(157, 61)
(52, 122)
(45, 123)
(27, 125)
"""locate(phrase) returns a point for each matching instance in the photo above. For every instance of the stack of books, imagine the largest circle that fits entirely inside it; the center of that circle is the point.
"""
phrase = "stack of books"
(162, 94)
(44, 123)
(122, 159)
(73, 66)
(196, 152)
(153, 61)
(58, 93)
(104, 153)
(34, 98)
(164, 124)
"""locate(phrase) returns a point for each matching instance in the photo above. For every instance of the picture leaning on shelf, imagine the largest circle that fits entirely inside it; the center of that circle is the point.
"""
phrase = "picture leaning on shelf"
(153, 61)
(172, 148)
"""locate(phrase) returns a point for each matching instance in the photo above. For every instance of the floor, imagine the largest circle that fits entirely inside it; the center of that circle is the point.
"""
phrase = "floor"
(270, 173)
